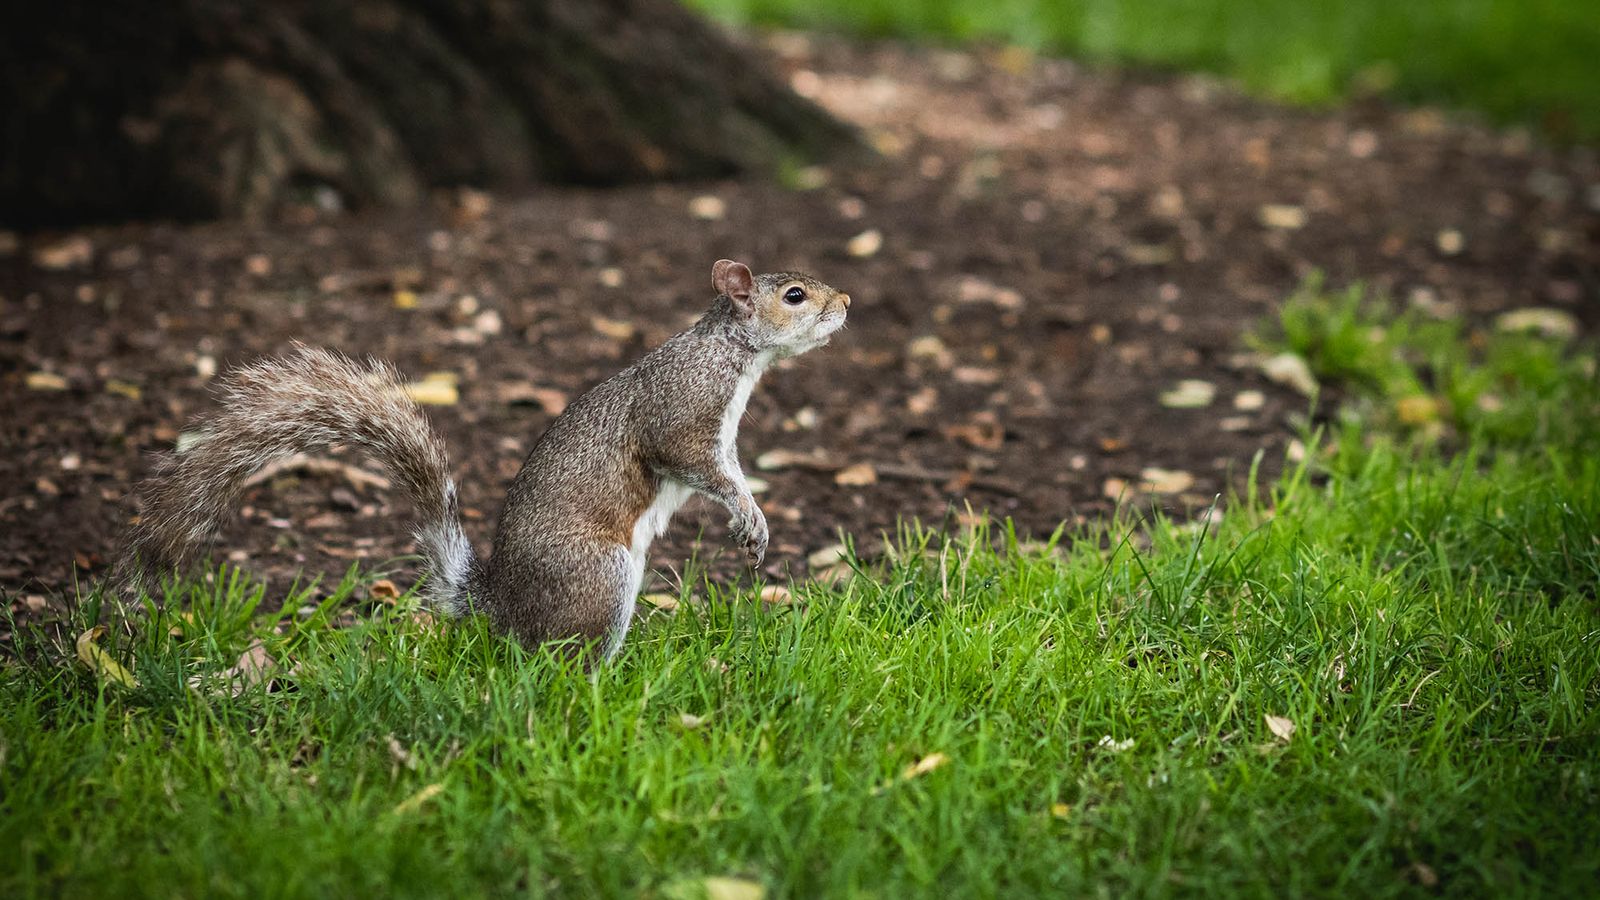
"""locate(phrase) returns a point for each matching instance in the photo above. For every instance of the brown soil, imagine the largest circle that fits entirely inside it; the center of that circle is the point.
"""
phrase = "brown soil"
(1077, 241)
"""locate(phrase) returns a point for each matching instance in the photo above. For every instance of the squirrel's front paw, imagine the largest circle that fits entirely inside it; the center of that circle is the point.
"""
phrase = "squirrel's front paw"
(752, 538)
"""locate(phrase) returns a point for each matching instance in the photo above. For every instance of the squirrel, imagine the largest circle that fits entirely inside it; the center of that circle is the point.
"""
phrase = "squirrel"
(597, 488)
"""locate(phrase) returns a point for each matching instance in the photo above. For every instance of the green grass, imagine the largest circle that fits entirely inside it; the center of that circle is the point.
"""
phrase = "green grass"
(1535, 61)
(1423, 610)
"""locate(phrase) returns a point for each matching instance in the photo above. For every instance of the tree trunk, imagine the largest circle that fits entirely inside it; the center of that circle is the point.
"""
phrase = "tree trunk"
(227, 108)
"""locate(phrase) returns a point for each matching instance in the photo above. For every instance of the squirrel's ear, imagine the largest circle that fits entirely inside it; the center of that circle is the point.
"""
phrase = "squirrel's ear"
(734, 280)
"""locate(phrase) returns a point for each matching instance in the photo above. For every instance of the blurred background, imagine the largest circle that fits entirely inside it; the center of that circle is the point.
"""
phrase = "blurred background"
(1069, 226)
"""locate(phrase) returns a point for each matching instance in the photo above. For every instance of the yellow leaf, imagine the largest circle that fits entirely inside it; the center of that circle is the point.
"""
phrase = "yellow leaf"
(923, 766)
(1419, 409)
(437, 389)
(415, 801)
(663, 602)
(100, 662)
(45, 381)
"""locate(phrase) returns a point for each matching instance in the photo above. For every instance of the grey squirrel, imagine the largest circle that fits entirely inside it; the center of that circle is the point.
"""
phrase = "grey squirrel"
(598, 487)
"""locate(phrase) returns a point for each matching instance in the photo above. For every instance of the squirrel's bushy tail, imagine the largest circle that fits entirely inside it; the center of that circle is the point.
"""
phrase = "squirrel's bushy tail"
(301, 403)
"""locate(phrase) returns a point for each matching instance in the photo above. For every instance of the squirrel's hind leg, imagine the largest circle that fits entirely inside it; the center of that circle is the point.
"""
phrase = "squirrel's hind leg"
(586, 599)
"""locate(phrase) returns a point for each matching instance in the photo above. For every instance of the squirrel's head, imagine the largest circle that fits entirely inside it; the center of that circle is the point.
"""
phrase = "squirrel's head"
(786, 312)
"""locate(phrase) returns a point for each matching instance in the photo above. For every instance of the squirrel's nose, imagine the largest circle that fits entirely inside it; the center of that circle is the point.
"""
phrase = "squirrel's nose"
(845, 299)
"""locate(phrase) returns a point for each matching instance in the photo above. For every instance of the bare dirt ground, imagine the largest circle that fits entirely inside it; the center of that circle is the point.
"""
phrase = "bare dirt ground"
(1044, 253)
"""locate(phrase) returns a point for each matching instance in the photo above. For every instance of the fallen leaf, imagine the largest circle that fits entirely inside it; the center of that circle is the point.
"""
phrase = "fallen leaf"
(708, 207)
(488, 323)
(254, 667)
(91, 654)
(690, 721)
(616, 329)
(975, 375)
(858, 475)
(1419, 409)
(923, 766)
(836, 574)
(69, 253)
(124, 389)
(1450, 242)
(1190, 393)
(1552, 323)
(1249, 401)
(717, 887)
(923, 401)
(931, 349)
(1282, 216)
(45, 381)
(983, 432)
(827, 556)
(788, 459)
(437, 389)
(865, 244)
(1292, 370)
(1157, 480)
(1424, 874)
(415, 801)
(977, 290)
(1283, 729)
(401, 755)
(384, 590)
(777, 595)
(663, 602)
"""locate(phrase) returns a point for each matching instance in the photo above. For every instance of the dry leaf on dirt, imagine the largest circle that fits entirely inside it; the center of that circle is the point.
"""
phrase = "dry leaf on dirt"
(616, 329)
(708, 207)
(858, 475)
(384, 591)
(865, 244)
(45, 381)
(1290, 369)
(1283, 216)
(930, 348)
(1190, 393)
(1156, 480)
(91, 654)
(437, 389)
(1283, 729)
(983, 432)
(1249, 401)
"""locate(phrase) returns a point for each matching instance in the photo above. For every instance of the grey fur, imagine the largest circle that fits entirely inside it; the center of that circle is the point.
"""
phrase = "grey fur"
(597, 487)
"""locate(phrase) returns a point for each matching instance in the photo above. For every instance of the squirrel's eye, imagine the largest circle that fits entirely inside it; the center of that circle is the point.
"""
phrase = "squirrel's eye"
(794, 296)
